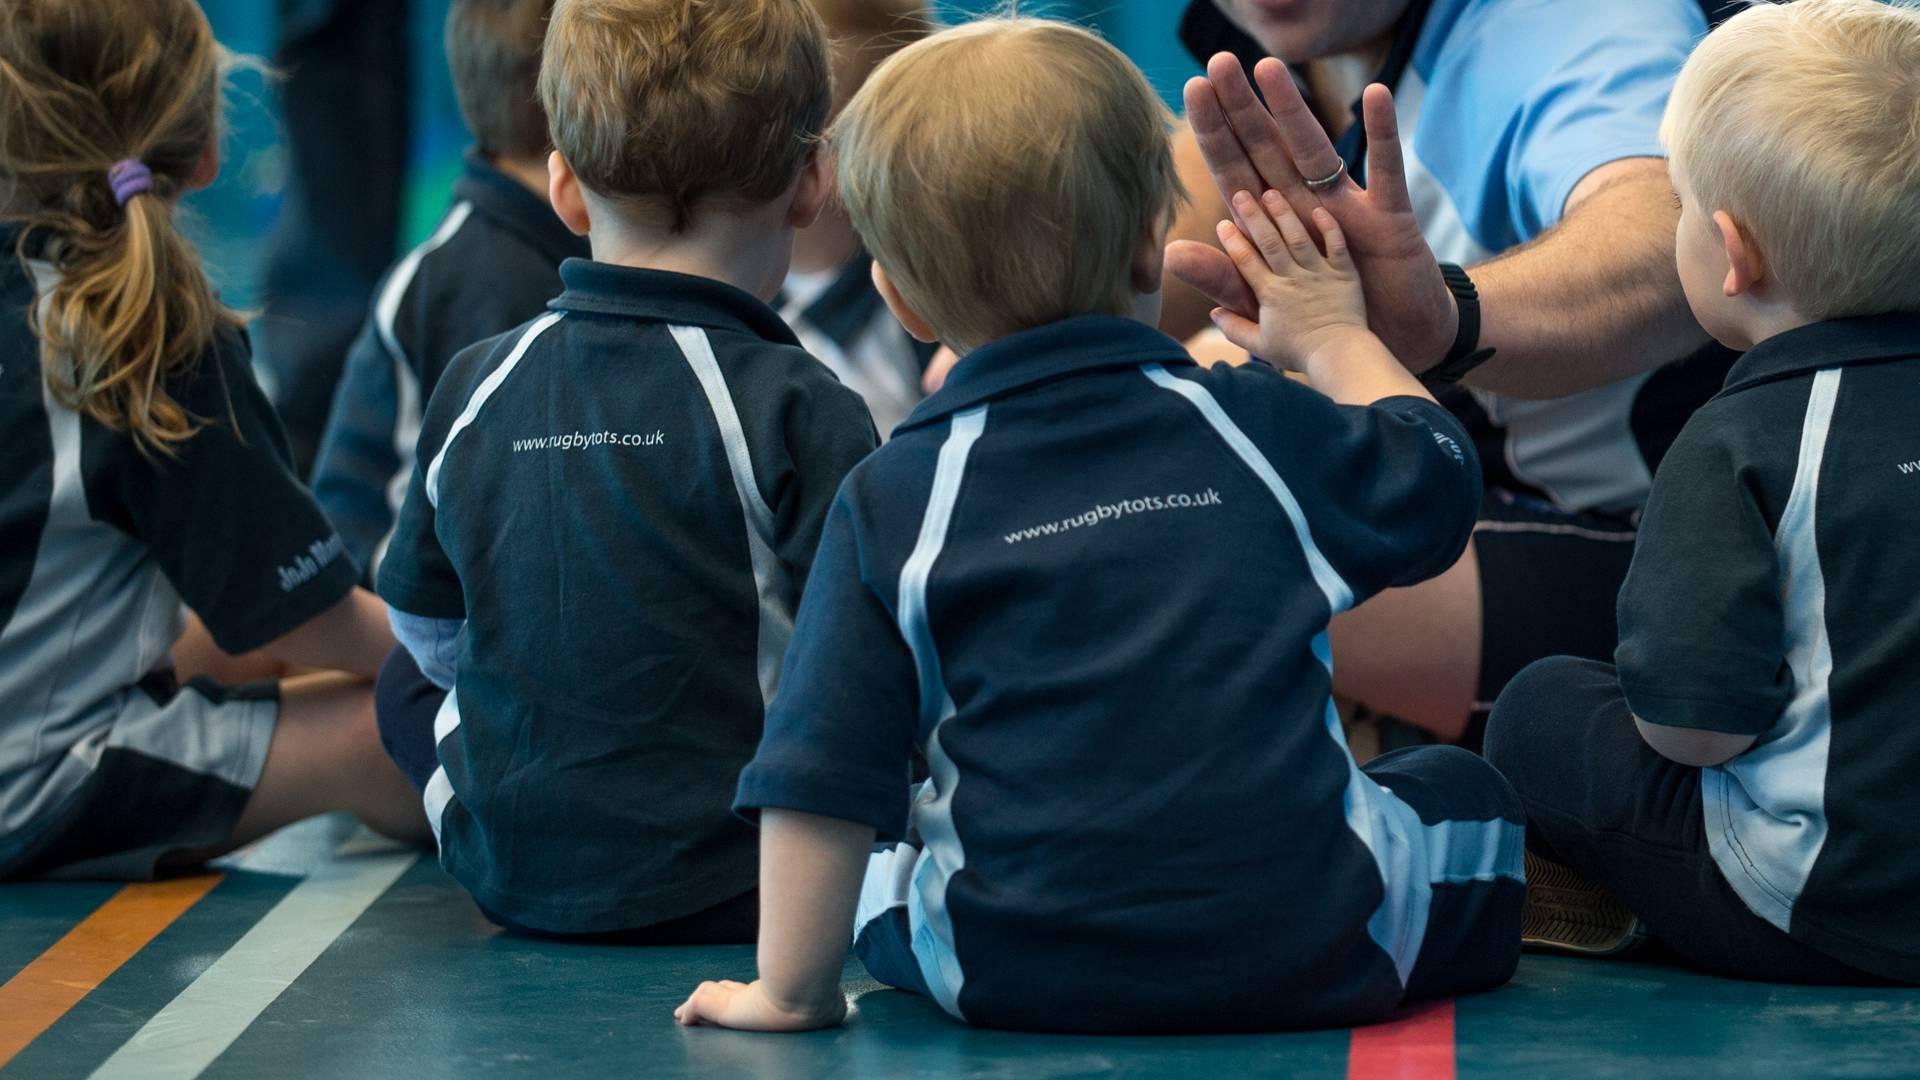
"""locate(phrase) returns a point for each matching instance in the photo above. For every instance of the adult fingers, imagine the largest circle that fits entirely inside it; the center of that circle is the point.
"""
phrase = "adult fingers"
(1386, 168)
(1226, 159)
(1338, 254)
(1299, 241)
(1260, 229)
(1305, 142)
(1208, 271)
(1258, 134)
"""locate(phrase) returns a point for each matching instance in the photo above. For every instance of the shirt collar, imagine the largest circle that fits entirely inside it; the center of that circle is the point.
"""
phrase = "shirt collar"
(1030, 357)
(1822, 345)
(598, 288)
(503, 199)
(1206, 30)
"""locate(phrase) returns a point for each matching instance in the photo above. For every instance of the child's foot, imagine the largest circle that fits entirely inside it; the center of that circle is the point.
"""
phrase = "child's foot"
(1566, 913)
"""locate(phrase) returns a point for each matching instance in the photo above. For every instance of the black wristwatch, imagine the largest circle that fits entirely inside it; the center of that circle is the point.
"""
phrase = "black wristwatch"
(1466, 353)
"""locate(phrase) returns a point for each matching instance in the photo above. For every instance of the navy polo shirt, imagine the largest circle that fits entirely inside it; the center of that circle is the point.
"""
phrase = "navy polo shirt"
(1091, 581)
(1772, 595)
(622, 500)
(492, 264)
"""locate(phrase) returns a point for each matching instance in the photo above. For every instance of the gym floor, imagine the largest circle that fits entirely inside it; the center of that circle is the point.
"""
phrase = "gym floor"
(325, 953)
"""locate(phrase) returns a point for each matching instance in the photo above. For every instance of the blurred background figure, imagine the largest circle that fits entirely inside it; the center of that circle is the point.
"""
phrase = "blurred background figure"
(346, 116)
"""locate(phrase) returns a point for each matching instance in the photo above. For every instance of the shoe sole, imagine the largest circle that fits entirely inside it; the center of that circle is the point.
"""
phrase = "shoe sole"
(1566, 913)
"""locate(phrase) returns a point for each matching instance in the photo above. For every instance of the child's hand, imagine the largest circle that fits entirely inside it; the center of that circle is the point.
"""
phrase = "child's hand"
(747, 1007)
(1310, 304)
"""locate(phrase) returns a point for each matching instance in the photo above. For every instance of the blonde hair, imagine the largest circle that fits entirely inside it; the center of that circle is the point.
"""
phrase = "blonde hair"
(1802, 121)
(1004, 173)
(675, 102)
(493, 53)
(85, 84)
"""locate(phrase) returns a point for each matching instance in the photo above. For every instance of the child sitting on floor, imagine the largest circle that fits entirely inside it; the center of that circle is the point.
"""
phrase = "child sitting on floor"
(616, 505)
(829, 298)
(492, 264)
(1092, 582)
(1743, 780)
(145, 468)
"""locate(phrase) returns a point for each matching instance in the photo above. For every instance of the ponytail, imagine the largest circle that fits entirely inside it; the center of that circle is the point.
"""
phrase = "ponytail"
(107, 112)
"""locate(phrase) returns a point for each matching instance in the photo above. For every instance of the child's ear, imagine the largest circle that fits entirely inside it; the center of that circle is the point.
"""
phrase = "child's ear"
(207, 169)
(811, 190)
(1746, 267)
(564, 192)
(909, 318)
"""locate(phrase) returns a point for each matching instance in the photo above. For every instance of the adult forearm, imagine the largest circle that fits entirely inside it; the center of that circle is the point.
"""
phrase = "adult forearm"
(1594, 301)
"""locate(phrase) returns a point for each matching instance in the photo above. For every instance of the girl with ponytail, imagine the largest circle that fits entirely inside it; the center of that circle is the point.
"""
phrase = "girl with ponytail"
(144, 475)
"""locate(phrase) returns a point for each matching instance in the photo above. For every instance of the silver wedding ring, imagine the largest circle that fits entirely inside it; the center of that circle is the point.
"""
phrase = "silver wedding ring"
(1339, 174)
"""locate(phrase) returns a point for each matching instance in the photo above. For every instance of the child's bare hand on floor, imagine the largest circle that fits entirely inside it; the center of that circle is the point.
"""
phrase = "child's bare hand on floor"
(747, 1007)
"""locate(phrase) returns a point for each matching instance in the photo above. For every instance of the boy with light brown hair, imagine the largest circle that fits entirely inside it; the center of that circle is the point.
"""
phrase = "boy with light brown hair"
(618, 503)
(829, 298)
(491, 264)
(1091, 583)
(1742, 780)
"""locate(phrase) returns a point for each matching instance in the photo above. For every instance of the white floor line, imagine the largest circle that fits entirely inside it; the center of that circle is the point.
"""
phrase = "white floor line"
(185, 1037)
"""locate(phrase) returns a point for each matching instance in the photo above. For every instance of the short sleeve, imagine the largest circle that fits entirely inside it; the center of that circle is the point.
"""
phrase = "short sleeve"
(231, 526)
(358, 457)
(1527, 97)
(1388, 492)
(1701, 626)
(839, 735)
(416, 576)
(829, 431)
(1393, 491)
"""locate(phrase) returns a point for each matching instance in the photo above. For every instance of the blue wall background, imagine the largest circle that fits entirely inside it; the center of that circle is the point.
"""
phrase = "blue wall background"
(234, 219)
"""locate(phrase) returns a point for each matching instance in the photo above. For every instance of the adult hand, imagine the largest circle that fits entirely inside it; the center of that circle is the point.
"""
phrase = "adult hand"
(1255, 147)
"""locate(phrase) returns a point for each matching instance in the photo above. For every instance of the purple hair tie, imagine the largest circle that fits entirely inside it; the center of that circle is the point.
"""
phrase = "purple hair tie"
(129, 178)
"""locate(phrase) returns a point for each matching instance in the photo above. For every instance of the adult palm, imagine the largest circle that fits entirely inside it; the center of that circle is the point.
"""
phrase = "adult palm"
(1253, 147)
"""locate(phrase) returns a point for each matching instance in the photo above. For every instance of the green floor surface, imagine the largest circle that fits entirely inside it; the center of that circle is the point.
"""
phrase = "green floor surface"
(420, 987)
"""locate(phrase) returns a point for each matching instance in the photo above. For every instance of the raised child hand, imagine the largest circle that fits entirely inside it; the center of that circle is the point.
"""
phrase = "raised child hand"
(1309, 302)
(747, 1007)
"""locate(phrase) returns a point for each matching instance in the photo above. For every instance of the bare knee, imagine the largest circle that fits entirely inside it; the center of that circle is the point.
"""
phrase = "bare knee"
(1415, 653)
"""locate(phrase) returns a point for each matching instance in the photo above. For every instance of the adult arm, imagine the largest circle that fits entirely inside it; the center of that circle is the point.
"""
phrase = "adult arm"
(1594, 299)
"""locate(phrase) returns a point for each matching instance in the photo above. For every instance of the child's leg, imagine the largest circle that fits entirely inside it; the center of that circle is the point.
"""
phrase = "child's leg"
(1599, 800)
(1472, 939)
(325, 757)
(882, 931)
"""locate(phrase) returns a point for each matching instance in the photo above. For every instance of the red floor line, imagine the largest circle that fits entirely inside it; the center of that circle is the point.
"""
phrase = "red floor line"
(1417, 1046)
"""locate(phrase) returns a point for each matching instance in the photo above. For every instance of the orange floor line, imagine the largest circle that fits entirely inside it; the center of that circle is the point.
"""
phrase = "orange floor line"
(55, 982)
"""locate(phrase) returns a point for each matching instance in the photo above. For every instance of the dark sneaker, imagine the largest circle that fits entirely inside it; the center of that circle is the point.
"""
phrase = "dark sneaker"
(1566, 913)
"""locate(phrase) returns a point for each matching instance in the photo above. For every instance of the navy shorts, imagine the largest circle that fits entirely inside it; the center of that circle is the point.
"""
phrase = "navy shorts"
(171, 772)
(1471, 941)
